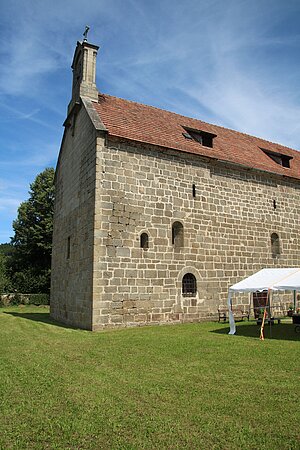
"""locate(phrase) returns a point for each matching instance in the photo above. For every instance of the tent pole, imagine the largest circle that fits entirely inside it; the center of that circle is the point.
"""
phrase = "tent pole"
(270, 310)
(262, 337)
(295, 301)
(231, 317)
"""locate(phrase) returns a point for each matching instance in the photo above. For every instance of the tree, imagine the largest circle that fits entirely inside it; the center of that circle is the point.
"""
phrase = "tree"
(31, 261)
(4, 278)
(6, 251)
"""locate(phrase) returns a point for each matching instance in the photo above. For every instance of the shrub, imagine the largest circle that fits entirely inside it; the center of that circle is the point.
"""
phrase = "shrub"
(24, 299)
(39, 299)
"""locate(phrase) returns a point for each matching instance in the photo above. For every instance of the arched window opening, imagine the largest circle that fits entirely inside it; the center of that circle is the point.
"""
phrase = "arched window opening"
(189, 285)
(144, 242)
(275, 245)
(177, 234)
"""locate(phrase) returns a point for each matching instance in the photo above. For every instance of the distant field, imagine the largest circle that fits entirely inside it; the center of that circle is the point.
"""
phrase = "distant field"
(162, 387)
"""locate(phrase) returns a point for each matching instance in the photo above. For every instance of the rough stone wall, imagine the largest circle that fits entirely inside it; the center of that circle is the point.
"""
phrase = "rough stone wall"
(71, 283)
(227, 229)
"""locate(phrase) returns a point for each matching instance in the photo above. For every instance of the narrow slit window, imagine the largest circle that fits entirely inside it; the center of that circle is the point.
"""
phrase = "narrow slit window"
(68, 247)
(194, 190)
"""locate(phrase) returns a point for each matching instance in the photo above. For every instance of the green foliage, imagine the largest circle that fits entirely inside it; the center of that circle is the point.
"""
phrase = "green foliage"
(12, 299)
(31, 261)
(25, 299)
(5, 283)
(32, 280)
(39, 299)
(6, 249)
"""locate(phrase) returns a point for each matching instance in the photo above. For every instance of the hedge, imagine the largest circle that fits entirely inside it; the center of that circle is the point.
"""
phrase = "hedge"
(24, 299)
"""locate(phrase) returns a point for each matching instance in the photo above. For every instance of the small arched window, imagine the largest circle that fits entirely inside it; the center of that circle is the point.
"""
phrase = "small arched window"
(275, 245)
(144, 242)
(189, 285)
(177, 234)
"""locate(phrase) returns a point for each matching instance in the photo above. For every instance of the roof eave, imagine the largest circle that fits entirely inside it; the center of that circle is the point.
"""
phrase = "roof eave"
(210, 158)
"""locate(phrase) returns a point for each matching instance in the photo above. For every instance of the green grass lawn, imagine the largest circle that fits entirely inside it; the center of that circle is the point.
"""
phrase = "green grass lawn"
(162, 387)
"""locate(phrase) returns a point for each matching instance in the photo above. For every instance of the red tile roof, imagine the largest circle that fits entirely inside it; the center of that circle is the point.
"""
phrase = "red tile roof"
(147, 124)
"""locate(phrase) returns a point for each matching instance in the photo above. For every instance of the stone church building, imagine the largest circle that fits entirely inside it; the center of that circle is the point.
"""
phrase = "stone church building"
(157, 214)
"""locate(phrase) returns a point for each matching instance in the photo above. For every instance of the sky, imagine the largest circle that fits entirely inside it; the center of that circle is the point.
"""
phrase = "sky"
(234, 63)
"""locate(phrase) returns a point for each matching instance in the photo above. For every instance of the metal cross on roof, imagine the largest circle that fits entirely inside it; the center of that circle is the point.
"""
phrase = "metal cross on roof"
(86, 33)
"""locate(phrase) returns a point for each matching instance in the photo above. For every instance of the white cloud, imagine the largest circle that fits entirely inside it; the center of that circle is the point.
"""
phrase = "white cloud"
(41, 40)
(213, 52)
(31, 115)
(36, 159)
(41, 159)
(8, 185)
(243, 91)
(9, 205)
(229, 62)
(233, 63)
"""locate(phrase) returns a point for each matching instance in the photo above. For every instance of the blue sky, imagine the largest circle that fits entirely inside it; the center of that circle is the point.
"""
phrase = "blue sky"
(230, 62)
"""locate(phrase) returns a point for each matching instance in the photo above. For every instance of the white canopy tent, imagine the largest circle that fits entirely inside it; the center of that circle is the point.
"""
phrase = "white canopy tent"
(287, 279)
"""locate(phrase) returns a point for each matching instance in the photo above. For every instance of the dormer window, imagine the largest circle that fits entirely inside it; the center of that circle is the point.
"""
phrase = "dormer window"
(279, 158)
(203, 137)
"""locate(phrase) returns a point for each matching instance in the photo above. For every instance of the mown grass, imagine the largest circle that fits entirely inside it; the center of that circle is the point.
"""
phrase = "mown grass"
(169, 387)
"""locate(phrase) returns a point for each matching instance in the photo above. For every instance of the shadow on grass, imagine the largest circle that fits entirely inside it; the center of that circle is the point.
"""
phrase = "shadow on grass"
(40, 317)
(283, 331)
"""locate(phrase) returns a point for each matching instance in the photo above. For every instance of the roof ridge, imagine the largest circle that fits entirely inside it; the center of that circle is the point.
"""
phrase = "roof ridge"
(199, 120)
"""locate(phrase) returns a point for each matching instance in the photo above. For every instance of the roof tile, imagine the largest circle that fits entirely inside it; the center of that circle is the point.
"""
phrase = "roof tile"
(138, 122)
